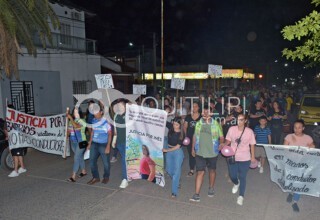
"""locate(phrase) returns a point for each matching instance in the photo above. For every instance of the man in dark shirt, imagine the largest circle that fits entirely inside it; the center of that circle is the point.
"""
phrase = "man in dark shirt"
(255, 113)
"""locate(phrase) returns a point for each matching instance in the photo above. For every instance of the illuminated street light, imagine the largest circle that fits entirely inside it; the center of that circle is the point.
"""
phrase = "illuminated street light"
(130, 44)
(286, 64)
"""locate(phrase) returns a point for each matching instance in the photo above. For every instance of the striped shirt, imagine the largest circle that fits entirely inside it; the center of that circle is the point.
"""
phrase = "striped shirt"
(262, 134)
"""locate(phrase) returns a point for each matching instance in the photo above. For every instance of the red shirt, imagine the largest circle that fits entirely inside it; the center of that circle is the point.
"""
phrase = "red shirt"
(145, 162)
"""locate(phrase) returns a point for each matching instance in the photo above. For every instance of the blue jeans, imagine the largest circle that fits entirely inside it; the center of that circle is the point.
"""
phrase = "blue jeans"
(173, 167)
(122, 150)
(238, 171)
(78, 161)
(97, 150)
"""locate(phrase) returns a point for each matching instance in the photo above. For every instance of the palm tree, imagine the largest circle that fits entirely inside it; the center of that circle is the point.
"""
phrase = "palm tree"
(20, 21)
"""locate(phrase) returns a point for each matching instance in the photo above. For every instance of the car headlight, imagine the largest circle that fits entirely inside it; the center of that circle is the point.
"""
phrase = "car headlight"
(303, 112)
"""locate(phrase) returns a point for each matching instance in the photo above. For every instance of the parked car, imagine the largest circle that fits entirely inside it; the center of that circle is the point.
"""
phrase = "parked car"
(6, 160)
(310, 109)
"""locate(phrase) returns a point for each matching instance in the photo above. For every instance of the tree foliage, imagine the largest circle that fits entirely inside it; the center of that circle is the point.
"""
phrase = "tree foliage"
(20, 22)
(307, 32)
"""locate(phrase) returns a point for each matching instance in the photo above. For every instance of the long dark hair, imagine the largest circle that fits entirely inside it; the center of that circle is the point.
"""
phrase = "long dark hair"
(171, 131)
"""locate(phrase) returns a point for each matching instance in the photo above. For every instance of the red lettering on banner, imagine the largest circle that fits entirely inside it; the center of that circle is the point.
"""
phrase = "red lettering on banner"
(11, 115)
(29, 120)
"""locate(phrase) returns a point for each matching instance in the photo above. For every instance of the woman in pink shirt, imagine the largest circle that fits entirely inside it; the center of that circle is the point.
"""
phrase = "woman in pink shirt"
(147, 166)
(298, 138)
(242, 141)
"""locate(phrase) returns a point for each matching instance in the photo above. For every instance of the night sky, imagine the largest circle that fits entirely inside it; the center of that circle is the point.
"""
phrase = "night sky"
(233, 33)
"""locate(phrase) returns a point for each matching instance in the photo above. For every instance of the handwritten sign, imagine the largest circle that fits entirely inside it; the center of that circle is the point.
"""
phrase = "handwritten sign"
(215, 70)
(104, 81)
(139, 89)
(295, 169)
(46, 134)
(178, 83)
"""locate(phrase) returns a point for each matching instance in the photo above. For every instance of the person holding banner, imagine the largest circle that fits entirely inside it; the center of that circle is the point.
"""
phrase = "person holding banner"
(242, 142)
(174, 157)
(188, 128)
(119, 139)
(298, 138)
(17, 155)
(76, 134)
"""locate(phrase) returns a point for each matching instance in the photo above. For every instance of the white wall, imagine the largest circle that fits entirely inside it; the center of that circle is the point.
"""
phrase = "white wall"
(70, 66)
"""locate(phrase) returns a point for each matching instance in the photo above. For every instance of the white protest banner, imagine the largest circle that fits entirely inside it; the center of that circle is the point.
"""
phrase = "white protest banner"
(215, 70)
(104, 81)
(46, 134)
(295, 169)
(178, 83)
(139, 89)
(144, 142)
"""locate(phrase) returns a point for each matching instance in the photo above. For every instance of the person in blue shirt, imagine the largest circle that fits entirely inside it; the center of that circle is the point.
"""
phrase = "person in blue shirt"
(99, 145)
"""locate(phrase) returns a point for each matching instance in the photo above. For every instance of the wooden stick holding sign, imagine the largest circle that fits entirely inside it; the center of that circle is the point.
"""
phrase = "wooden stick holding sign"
(66, 135)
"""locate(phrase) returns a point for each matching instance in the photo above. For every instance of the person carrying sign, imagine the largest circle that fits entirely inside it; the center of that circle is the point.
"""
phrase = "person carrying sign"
(298, 138)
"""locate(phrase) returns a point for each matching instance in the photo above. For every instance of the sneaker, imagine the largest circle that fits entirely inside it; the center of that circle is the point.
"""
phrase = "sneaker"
(261, 170)
(13, 174)
(22, 170)
(195, 198)
(295, 207)
(173, 196)
(124, 184)
(259, 164)
(235, 188)
(113, 160)
(211, 192)
(289, 198)
(240, 200)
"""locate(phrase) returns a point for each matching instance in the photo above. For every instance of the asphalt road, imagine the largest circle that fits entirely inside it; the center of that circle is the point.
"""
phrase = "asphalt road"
(44, 193)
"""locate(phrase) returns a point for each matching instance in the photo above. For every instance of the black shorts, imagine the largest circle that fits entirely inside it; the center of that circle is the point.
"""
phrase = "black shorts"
(19, 151)
(202, 163)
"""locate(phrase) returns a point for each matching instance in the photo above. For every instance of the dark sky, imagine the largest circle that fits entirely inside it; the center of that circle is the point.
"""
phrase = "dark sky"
(234, 33)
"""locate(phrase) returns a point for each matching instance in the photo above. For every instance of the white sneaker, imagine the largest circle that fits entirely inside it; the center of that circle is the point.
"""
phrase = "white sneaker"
(13, 174)
(22, 170)
(124, 184)
(113, 160)
(261, 170)
(240, 200)
(259, 164)
(235, 188)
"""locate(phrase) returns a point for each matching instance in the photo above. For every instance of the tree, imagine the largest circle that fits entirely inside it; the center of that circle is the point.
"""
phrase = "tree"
(20, 21)
(307, 32)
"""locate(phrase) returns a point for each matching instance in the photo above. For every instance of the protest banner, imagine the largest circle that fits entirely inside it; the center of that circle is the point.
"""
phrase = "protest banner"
(215, 70)
(295, 169)
(139, 89)
(104, 81)
(46, 134)
(144, 141)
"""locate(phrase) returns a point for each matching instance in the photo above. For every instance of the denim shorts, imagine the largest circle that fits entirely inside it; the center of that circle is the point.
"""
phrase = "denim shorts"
(202, 163)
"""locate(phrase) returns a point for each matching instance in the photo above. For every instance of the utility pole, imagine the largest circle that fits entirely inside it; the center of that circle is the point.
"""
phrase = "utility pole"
(154, 63)
(162, 52)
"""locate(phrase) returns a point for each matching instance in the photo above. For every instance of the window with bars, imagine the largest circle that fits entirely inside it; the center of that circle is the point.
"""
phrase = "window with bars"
(65, 32)
(81, 87)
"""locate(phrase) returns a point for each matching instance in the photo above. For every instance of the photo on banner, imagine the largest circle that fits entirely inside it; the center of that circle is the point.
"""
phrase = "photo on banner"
(295, 169)
(139, 89)
(177, 83)
(46, 134)
(144, 143)
(104, 81)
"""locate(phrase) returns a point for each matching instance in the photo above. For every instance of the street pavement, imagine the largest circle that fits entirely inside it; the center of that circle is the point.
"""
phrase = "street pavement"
(44, 193)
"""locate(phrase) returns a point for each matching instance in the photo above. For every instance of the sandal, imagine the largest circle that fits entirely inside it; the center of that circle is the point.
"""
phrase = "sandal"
(190, 173)
(82, 175)
(71, 180)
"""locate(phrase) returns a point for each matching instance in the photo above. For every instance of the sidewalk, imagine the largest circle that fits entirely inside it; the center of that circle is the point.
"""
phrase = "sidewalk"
(44, 193)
